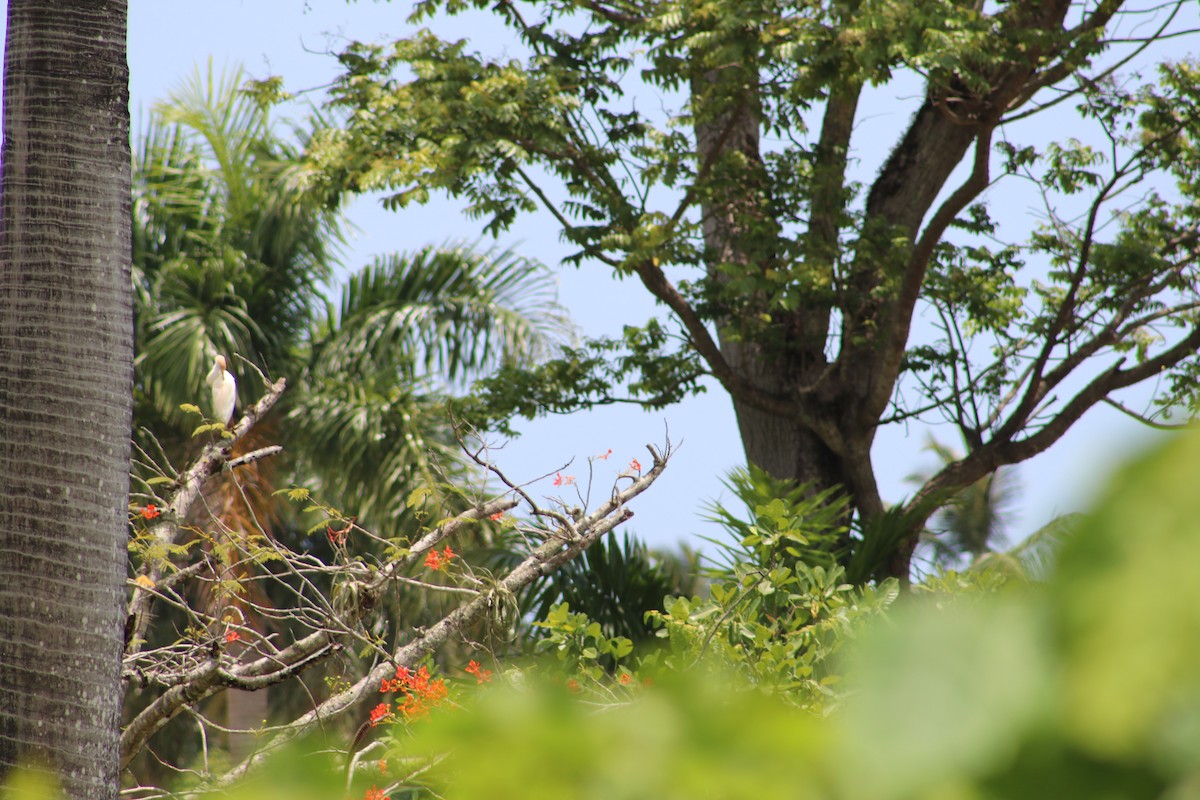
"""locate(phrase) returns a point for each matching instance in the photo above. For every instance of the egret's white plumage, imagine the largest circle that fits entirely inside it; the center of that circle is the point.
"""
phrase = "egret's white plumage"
(224, 390)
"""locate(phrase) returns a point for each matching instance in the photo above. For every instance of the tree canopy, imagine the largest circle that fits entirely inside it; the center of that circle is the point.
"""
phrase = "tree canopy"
(707, 150)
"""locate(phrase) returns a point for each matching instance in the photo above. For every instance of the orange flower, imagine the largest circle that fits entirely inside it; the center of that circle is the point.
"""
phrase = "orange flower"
(563, 480)
(436, 560)
(375, 793)
(481, 675)
(422, 691)
(150, 512)
(573, 685)
(605, 455)
(379, 713)
(232, 635)
(625, 679)
(499, 515)
(635, 465)
(382, 765)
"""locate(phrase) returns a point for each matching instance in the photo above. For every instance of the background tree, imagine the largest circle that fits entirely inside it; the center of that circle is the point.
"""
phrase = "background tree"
(792, 284)
(66, 356)
(231, 256)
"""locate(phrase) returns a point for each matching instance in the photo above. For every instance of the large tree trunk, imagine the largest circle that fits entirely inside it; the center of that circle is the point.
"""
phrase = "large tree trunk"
(66, 350)
(738, 231)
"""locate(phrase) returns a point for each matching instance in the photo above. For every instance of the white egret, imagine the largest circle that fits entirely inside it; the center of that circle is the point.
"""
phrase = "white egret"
(224, 390)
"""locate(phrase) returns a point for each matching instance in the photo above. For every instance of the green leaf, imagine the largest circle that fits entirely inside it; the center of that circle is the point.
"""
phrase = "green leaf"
(418, 496)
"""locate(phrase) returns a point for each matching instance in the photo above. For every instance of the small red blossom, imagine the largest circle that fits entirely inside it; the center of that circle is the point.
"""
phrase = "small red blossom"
(380, 713)
(150, 512)
(625, 679)
(481, 675)
(573, 685)
(381, 765)
(232, 635)
(499, 515)
(563, 480)
(605, 455)
(635, 465)
(375, 793)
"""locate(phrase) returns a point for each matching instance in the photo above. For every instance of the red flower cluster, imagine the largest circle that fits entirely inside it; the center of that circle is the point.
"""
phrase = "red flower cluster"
(481, 675)
(232, 636)
(635, 465)
(499, 515)
(604, 456)
(375, 793)
(563, 480)
(436, 560)
(380, 712)
(150, 512)
(421, 691)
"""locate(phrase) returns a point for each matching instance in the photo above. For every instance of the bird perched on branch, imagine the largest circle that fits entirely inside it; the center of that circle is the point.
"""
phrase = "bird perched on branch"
(224, 390)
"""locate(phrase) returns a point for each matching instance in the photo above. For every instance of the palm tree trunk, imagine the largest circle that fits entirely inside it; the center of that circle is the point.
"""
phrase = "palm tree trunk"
(66, 353)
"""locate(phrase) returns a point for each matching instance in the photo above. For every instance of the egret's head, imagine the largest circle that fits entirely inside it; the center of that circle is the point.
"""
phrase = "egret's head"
(220, 362)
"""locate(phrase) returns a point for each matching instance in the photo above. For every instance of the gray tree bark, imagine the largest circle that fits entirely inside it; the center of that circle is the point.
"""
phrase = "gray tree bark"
(66, 370)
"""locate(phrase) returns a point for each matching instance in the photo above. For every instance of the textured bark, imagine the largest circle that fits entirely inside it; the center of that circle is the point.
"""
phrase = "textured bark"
(66, 350)
(782, 445)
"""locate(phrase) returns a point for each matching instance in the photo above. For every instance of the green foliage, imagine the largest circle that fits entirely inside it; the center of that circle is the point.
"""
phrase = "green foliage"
(779, 604)
(615, 583)
(709, 150)
(453, 312)
(976, 687)
(639, 367)
(789, 524)
(229, 255)
(232, 255)
(582, 646)
(691, 736)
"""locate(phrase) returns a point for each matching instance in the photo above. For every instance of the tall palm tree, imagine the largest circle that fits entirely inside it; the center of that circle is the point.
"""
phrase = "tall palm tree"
(231, 257)
(65, 372)
(228, 256)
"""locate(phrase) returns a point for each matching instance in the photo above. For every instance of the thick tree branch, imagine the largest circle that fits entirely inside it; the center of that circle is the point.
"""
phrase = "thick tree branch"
(1002, 452)
(891, 352)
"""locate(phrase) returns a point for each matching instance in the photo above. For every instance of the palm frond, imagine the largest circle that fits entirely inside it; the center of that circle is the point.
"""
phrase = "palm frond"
(369, 442)
(1039, 551)
(450, 310)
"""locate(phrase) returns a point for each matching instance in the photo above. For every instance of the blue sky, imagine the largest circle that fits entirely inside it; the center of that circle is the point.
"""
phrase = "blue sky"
(294, 39)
